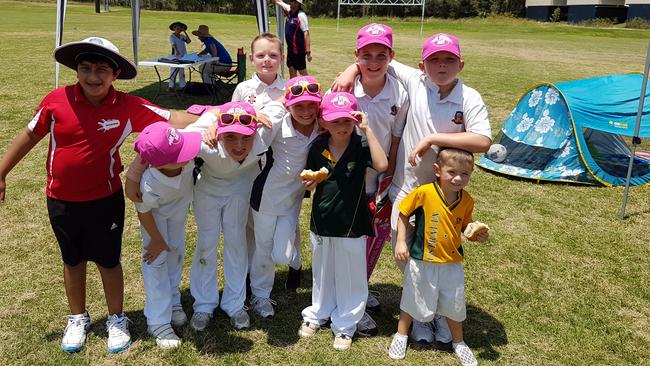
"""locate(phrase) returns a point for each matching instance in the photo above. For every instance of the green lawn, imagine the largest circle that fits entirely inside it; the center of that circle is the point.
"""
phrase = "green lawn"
(561, 282)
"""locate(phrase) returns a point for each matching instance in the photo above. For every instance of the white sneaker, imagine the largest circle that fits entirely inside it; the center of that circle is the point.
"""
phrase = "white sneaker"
(74, 335)
(342, 342)
(367, 326)
(421, 333)
(398, 345)
(179, 318)
(200, 320)
(308, 329)
(372, 303)
(443, 334)
(165, 336)
(262, 306)
(240, 320)
(119, 337)
(464, 354)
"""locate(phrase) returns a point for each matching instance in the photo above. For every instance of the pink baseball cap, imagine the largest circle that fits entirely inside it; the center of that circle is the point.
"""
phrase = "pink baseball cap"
(375, 33)
(160, 143)
(241, 122)
(302, 89)
(338, 105)
(440, 42)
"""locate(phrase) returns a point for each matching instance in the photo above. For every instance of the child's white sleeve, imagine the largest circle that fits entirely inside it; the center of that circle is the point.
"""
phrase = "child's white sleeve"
(275, 112)
(476, 114)
(304, 24)
(402, 105)
(150, 199)
(206, 120)
(403, 73)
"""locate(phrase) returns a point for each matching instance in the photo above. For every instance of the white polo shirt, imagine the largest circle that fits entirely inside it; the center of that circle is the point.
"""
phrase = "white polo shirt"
(427, 115)
(166, 194)
(258, 93)
(386, 117)
(283, 186)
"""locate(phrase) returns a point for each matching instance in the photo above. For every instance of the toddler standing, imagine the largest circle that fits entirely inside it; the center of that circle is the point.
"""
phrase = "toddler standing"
(178, 39)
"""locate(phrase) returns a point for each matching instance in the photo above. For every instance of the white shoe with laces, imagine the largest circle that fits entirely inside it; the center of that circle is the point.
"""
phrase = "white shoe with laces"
(398, 345)
(263, 306)
(422, 333)
(74, 336)
(464, 354)
(342, 342)
(165, 336)
(241, 320)
(119, 337)
(443, 334)
(179, 318)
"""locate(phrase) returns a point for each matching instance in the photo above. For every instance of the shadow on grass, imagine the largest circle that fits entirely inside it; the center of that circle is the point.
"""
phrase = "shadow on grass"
(179, 100)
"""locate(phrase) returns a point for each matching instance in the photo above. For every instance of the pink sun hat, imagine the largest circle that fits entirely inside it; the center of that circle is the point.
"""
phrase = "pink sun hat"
(338, 105)
(302, 89)
(375, 34)
(439, 43)
(160, 143)
(242, 123)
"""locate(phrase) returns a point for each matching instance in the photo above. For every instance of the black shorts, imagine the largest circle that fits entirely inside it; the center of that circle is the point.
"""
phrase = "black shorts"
(296, 60)
(90, 230)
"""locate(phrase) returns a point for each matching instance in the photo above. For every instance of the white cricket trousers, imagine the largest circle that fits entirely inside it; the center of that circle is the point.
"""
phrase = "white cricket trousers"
(340, 289)
(163, 276)
(173, 72)
(275, 243)
(213, 214)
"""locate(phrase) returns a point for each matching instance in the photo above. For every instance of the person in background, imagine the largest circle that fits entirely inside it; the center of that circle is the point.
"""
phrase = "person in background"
(178, 39)
(213, 48)
(296, 33)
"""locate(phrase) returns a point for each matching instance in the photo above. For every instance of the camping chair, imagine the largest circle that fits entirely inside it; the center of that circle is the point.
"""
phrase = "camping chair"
(224, 82)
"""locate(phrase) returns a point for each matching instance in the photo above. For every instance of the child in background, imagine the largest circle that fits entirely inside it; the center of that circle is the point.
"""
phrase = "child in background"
(340, 220)
(277, 192)
(433, 277)
(167, 193)
(178, 39)
(436, 98)
(384, 100)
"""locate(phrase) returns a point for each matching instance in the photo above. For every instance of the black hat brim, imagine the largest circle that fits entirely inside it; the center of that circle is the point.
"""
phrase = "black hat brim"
(171, 26)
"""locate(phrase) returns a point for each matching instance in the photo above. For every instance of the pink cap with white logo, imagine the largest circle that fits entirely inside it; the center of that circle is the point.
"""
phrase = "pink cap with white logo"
(160, 143)
(338, 105)
(440, 42)
(302, 89)
(375, 34)
(239, 124)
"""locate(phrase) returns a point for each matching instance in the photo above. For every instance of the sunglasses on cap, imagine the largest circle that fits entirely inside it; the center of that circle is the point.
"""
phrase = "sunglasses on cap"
(228, 119)
(298, 89)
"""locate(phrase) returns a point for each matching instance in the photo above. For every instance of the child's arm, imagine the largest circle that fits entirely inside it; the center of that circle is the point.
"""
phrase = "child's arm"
(469, 141)
(181, 119)
(392, 155)
(187, 38)
(22, 144)
(401, 249)
(378, 155)
(133, 177)
(157, 243)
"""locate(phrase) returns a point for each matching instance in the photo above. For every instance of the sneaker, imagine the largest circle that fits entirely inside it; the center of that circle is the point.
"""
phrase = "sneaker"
(263, 306)
(443, 334)
(294, 278)
(200, 320)
(240, 320)
(179, 318)
(342, 342)
(308, 329)
(119, 337)
(421, 333)
(367, 326)
(372, 303)
(74, 335)
(464, 354)
(165, 336)
(398, 345)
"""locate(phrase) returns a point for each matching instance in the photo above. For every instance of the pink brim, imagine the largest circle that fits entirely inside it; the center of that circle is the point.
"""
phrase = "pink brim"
(236, 128)
(451, 50)
(382, 42)
(336, 115)
(305, 97)
(191, 146)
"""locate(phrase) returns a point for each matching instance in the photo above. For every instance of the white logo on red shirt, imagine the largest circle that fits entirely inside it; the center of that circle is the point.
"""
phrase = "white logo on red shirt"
(108, 124)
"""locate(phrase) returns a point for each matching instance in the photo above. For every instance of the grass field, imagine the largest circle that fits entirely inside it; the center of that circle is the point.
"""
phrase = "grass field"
(561, 281)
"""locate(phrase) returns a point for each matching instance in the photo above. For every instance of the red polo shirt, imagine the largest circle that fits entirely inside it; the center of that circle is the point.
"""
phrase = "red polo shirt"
(83, 161)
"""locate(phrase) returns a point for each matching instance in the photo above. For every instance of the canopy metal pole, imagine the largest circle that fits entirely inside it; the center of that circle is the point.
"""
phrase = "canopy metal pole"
(635, 139)
(338, 14)
(422, 18)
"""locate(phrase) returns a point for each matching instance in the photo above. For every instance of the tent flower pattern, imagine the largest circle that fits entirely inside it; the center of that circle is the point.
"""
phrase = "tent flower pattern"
(545, 123)
(525, 123)
(535, 98)
(551, 97)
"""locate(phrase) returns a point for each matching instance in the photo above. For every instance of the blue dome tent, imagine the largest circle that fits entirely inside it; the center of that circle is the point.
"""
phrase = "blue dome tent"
(574, 131)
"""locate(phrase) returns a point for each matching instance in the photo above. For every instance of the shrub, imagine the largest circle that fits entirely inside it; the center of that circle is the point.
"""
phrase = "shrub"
(637, 23)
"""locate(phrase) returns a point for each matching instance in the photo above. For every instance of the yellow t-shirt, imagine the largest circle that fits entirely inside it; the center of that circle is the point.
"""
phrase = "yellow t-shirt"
(438, 224)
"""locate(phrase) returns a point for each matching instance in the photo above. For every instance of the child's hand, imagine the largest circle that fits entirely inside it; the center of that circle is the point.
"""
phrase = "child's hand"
(153, 251)
(482, 237)
(264, 120)
(362, 119)
(401, 252)
(309, 185)
(3, 187)
(209, 136)
(132, 190)
(420, 149)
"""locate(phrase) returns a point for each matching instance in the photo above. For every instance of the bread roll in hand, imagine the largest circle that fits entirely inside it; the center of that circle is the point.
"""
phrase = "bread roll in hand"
(315, 176)
(475, 228)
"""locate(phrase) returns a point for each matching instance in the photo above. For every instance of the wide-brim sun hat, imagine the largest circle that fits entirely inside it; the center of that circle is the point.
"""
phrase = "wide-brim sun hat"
(183, 25)
(68, 54)
(202, 31)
